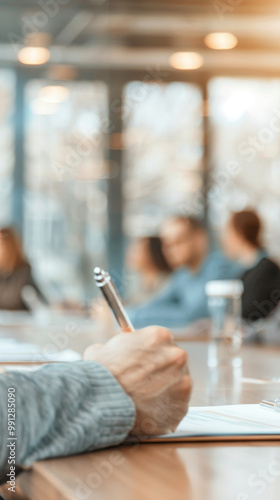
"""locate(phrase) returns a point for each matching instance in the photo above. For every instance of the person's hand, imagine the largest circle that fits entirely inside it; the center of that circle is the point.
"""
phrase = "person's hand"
(153, 372)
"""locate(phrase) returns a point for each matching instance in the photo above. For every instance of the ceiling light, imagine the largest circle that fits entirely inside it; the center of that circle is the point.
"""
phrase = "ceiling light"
(220, 41)
(186, 60)
(54, 94)
(33, 55)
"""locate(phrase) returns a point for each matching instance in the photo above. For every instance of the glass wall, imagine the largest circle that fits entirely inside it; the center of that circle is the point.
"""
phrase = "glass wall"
(245, 146)
(7, 101)
(65, 215)
(163, 139)
(66, 171)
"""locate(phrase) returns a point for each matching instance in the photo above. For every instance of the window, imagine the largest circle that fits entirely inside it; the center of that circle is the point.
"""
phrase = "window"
(65, 201)
(245, 119)
(7, 98)
(163, 153)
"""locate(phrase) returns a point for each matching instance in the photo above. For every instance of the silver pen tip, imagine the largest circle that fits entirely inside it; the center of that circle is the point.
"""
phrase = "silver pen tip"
(100, 276)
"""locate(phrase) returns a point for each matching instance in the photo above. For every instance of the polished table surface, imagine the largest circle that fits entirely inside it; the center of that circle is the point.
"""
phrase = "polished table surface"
(208, 471)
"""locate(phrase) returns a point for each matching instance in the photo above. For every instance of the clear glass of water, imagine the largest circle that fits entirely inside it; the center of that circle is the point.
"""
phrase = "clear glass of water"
(224, 304)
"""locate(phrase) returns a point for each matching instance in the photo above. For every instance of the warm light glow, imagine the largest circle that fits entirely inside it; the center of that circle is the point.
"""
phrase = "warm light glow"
(220, 41)
(186, 60)
(54, 94)
(33, 55)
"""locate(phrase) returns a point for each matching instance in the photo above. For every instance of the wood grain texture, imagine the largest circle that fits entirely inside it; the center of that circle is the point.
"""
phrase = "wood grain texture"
(181, 471)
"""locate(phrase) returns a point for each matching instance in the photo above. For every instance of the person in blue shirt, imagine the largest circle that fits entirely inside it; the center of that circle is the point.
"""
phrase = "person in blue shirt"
(186, 247)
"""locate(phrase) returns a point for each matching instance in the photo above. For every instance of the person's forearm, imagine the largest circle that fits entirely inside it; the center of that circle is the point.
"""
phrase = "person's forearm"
(176, 315)
(64, 409)
(164, 315)
(161, 310)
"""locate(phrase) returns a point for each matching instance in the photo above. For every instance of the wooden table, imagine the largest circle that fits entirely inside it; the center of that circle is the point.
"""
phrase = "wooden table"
(205, 471)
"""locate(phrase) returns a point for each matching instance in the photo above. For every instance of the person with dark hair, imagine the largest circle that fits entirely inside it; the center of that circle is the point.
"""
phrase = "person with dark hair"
(145, 257)
(243, 238)
(186, 247)
(15, 271)
(243, 241)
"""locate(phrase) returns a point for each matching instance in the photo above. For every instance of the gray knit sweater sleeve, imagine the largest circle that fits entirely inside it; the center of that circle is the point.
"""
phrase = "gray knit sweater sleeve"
(64, 409)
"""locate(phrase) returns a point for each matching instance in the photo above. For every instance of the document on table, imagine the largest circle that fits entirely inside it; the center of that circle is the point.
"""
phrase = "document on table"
(12, 351)
(226, 423)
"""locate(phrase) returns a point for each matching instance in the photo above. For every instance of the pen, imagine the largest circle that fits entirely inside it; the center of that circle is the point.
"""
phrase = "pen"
(273, 405)
(104, 281)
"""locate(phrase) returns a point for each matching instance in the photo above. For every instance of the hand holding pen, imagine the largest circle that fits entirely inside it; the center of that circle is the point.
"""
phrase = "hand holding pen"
(149, 367)
(104, 281)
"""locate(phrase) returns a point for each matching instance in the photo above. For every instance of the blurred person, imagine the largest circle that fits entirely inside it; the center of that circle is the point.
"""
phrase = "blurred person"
(243, 241)
(145, 257)
(70, 408)
(242, 238)
(186, 247)
(15, 271)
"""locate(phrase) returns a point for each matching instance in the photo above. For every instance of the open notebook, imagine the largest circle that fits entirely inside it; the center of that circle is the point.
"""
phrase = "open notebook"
(225, 423)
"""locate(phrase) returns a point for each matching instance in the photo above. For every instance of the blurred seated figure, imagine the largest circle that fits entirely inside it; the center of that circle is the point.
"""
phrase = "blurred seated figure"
(186, 248)
(243, 238)
(145, 257)
(15, 271)
(243, 241)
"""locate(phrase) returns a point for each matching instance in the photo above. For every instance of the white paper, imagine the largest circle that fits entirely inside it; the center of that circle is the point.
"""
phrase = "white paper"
(231, 420)
(12, 351)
